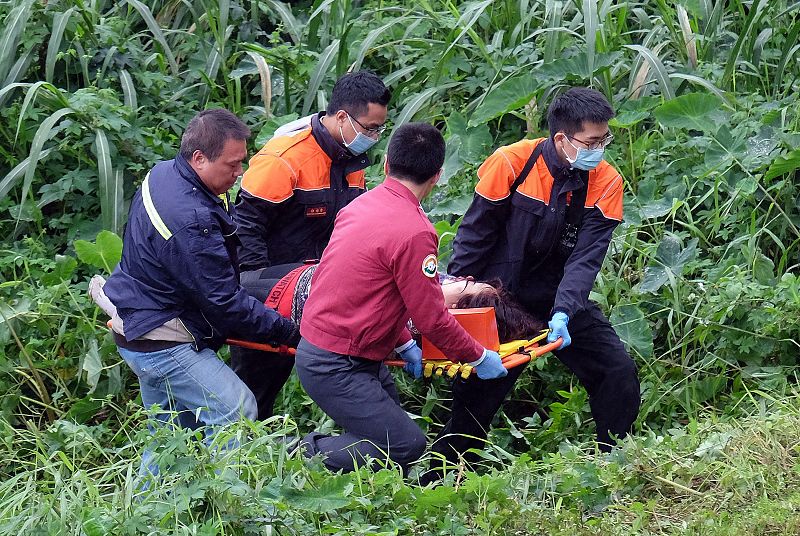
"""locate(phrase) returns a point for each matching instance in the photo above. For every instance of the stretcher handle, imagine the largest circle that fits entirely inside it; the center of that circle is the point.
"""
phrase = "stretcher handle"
(509, 362)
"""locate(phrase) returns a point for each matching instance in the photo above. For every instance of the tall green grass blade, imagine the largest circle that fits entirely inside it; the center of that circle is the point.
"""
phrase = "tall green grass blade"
(658, 68)
(11, 178)
(128, 90)
(266, 80)
(155, 29)
(700, 82)
(293, 28)
(30, 97)
(789, 49)
(369, 40)
(110, 189)
(590, 24)
(14, 25)
(43, 134)
(320, 71)
(466, 22)
(60, 21)
(413, 105)
(399, 74)
(555, 10)
(17, 71)
(733, 57)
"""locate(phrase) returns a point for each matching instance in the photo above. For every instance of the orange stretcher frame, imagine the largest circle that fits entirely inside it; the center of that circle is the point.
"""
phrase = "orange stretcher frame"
(524, 352)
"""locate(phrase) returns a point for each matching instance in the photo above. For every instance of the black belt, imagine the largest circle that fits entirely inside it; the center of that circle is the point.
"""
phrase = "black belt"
(143, 345)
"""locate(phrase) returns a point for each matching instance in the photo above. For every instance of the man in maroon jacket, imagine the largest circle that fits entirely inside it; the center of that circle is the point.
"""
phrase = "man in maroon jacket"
(378, 270)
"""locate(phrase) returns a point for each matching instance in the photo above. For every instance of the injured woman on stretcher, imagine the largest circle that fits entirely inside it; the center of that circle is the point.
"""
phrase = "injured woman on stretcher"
(286, 287)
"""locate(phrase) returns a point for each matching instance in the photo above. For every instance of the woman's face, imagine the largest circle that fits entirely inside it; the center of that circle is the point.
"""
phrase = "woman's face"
(455, 290)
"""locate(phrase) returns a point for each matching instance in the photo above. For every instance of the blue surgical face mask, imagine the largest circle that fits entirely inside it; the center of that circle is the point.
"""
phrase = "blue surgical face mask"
(361, 143)
(585, 159)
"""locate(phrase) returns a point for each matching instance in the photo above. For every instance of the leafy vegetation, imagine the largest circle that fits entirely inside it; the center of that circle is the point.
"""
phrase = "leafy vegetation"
(701, 279)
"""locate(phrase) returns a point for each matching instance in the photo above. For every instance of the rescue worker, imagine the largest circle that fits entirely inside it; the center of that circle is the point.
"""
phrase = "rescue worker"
(380, 269)
(176, 289)
(291, 193)
(541, 220)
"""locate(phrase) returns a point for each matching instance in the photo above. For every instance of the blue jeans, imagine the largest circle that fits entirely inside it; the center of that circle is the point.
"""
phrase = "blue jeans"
(181, 381)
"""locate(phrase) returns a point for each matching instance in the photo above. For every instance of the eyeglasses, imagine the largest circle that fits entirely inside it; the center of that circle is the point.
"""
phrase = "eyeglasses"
(602, 144)
(369, 130)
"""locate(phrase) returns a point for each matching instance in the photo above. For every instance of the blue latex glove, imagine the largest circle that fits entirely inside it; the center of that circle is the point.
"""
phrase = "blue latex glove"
(490, 366)
(412, 355)
(558, 328)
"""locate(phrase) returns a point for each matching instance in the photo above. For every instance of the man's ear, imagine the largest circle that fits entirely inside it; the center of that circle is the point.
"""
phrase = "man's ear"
(340, 116)
(198, 160)
(437, 177)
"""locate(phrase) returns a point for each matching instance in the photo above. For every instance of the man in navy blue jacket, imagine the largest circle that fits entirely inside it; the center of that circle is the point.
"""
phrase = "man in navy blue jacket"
(177, 290)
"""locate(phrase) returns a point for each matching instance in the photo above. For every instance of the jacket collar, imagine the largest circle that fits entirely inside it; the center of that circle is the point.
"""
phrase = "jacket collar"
(396, 187)
(559, 171)
(190, 175)
(332, 148)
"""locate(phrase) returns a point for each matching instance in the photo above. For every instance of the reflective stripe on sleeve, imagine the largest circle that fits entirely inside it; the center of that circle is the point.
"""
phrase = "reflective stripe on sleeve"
(152, 213)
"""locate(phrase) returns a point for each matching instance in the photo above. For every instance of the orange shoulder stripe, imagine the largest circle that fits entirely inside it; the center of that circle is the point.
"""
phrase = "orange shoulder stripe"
(500, 170)
(286, 163)
(605, 191)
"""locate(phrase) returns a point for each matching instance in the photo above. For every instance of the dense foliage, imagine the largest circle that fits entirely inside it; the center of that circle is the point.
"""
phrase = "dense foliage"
(701, 280)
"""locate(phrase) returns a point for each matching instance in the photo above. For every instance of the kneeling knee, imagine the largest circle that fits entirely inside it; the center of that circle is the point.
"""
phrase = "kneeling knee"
(410, 449)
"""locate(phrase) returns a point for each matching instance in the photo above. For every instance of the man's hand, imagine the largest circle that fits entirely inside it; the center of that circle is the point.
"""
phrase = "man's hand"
(412, 355)
(558, 328)
(490, 366)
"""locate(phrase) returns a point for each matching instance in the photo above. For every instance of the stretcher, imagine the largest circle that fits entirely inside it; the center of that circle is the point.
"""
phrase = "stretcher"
(480, 323)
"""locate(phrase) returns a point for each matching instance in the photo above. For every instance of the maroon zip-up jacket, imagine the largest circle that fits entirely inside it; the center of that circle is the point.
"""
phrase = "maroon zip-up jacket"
(379, 270)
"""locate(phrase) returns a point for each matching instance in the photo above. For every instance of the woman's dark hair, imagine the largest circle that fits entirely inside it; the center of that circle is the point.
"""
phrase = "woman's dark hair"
(513, 322)
(208, 131)
(415, 152)
(354, 91)
(578, 105)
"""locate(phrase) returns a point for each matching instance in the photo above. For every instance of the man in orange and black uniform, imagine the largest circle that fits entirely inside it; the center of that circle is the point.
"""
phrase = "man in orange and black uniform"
(291, 192)
(541, 220)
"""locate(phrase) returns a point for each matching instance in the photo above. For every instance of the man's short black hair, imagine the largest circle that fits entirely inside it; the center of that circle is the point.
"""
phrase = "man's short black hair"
(570, 110)
(354, 91)
(415, 152)
(208, 131)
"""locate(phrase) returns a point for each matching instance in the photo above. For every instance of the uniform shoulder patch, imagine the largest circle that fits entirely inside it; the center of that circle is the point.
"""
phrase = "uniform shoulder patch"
(430, 266)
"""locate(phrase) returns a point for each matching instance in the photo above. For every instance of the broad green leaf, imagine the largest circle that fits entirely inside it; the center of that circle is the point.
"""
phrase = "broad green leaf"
(691, 111)
(476, 142)
(293, 28)
(63, 271)
(782, 165)
(633, 329)
(671, 257)
(331, 495)
(578, 66)
(457, 205)
(105, 252)
(10, 316)
(628, 118)
(269, 128)
(505, 97)
(92, 365)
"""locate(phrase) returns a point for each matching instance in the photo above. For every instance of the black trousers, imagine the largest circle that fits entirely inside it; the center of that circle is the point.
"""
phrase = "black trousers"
(596, 356)
(264, 373)
(360, 395)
